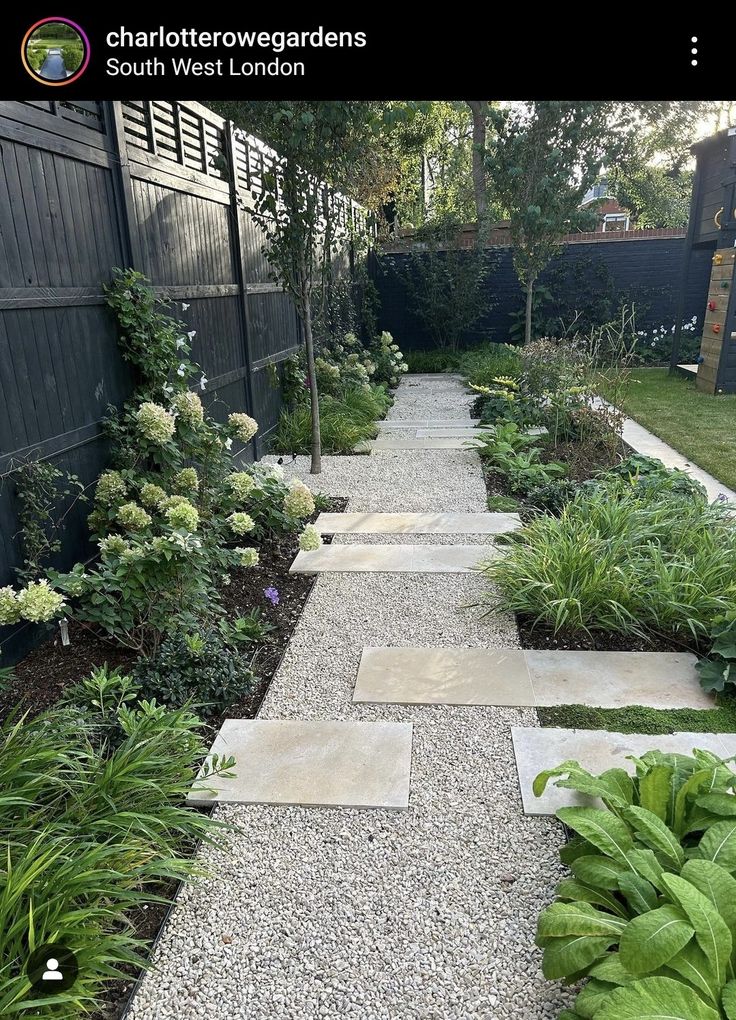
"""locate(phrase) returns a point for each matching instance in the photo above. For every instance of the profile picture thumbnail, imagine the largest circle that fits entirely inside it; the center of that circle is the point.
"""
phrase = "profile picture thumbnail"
(55, 51)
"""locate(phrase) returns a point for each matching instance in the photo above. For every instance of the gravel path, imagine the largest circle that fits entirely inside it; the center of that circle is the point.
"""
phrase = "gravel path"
(378, 915)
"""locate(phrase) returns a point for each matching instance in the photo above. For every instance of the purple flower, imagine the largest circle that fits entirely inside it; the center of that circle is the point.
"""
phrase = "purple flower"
(722, 497)
(272, 595)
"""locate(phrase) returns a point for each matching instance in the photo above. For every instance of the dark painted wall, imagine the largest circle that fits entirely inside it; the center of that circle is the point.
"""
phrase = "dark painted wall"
(594, 278)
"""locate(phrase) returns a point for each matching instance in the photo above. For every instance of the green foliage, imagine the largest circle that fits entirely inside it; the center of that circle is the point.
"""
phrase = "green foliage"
(40, 489)
(718, 670)
(345, 422)
(649, 914)
(541, 161)
(92, 811)
(446, 287)
(514, 454)
(481, 365)
(503, 504)
(201, 669)
(441, 360)
(164, 518)
(648, 475)
(615, 562)
(552, 496)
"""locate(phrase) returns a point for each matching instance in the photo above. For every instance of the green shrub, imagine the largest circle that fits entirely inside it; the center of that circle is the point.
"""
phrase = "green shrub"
(552, 496)
(91, 810)
(202, 670)
(648, 475)
(615, 562)
(718, 671)
(344, 424)
(649, 915)
(443, 359)
(481, 365)
(513, 453)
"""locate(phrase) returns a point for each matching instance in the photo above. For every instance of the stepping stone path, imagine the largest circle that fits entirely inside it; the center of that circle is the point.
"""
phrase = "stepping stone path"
(385, 912)
(514, 676)
(597, 750)
(417, 524)
(423, 559)
(429, 443)
(414, 424)
(317, 763)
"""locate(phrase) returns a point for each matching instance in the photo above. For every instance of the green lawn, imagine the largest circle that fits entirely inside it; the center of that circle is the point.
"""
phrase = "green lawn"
(700, 426)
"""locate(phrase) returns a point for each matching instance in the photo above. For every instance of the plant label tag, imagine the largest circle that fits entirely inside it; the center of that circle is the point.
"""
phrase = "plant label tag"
(64, 628)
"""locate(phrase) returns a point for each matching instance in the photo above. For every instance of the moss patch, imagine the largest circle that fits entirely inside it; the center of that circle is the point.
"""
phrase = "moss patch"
(640, 719)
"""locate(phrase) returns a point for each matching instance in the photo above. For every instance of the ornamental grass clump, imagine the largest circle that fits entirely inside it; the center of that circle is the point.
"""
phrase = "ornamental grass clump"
(617, 561)
(92, 810)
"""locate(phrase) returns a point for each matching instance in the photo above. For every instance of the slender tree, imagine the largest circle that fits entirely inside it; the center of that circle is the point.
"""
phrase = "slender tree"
(318, 147)
(542, 159)
(479, 113)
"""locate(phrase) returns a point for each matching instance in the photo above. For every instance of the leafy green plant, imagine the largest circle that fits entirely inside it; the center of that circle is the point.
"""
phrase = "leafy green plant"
(245, 629)
(514, 454)
(41, 488)
(552, 496)
(199, 669)
(615, 562)
(718, 670)
(92, 811)
(648, 915)
(649, 475)
(481, 365)
(439, 360)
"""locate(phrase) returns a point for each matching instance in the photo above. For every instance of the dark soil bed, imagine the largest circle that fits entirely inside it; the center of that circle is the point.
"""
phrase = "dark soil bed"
(599, 641)
(40, 679)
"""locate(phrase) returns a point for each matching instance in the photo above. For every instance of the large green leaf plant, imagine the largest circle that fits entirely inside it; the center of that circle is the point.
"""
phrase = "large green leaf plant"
(649, 914)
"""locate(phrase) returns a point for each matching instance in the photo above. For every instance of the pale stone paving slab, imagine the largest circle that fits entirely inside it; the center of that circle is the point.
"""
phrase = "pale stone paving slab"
(597, 750)
(456, 432)
(443, 676)
(433, 559)
(316, 763)
(420, 524)
(420, 444)
(515, 677)
(389, 424)
(614, 679)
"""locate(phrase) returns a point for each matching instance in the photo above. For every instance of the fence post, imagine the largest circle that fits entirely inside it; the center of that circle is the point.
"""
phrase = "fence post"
(123, 186)
(235, 203)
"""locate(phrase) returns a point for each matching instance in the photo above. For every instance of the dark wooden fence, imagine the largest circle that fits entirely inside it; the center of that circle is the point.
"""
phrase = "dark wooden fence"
(163, 187)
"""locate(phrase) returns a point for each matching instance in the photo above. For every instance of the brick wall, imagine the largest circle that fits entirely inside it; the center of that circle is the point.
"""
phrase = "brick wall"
(644, 269)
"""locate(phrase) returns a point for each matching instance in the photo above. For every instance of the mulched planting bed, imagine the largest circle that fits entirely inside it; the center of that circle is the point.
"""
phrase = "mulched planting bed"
(40, 679)
(599, 641)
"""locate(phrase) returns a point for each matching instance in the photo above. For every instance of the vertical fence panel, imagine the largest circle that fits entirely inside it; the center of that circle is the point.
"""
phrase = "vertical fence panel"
(163, 187)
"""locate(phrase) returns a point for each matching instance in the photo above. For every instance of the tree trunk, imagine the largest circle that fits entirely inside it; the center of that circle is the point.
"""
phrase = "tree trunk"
(529, 307)
(479, 109)
(306, 310)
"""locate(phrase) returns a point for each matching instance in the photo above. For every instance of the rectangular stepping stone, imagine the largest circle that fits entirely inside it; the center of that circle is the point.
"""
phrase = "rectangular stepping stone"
(614, 679)
(450, 433)
(429, 443)
(418, 524)
(315, 764)
(425, 559)
(443, 676)
(540, 748)
(426, 423)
